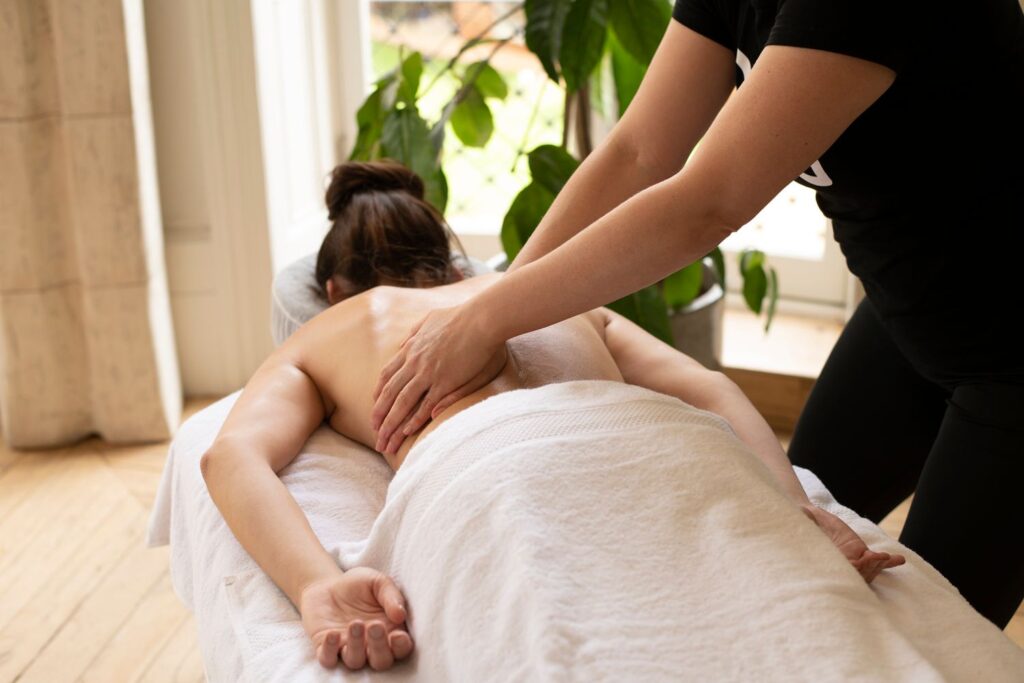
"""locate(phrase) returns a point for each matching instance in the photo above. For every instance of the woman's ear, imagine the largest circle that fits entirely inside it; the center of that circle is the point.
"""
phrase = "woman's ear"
(457, 275)
(335, 292)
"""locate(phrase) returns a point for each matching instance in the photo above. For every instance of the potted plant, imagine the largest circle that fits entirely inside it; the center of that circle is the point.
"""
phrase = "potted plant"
(581, 44)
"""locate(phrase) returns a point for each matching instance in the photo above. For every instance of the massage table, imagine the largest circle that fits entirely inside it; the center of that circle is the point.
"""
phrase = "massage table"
(521, 529)
(746, 614)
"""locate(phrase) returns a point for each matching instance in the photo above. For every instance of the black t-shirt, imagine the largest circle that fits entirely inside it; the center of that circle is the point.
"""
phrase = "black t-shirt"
(912, 187)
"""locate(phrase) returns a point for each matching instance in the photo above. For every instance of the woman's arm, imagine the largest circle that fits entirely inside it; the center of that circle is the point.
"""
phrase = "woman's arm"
(278, 410)
(354, 616)
(790, 110)
(689, 79)
(649, 362)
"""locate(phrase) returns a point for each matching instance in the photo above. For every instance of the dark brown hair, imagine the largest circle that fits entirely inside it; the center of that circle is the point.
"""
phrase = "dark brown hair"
(382, 230)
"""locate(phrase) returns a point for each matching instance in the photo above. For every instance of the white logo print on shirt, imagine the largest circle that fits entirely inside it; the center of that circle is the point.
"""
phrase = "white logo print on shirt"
(815, 175)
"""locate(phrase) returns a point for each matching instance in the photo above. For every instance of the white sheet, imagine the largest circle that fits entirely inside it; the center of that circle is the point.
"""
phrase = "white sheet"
(529, 561)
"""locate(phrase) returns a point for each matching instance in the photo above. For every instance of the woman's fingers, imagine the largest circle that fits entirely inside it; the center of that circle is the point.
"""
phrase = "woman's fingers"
(895, 561)
(354, 653)
(401, 644)
(390, 598)
(327, 651)
(378, 650)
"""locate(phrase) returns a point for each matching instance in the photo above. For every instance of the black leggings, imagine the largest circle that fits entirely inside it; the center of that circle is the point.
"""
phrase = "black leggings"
(875, 430)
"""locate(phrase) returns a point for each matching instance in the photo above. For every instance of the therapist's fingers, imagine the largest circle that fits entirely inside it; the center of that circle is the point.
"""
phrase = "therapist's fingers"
(354, 653)
(387, 373)
(491, 370)
(423, 413)
(327, 650)
(389, 395)
(452, 398)
(404, 404)
(378, 650)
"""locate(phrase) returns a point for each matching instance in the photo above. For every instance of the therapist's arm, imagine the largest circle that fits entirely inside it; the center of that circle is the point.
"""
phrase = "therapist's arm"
(354, 616)
(794, 105)
(689, 79)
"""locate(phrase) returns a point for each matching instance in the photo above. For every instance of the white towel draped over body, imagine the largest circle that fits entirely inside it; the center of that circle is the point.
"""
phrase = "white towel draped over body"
(595, 531)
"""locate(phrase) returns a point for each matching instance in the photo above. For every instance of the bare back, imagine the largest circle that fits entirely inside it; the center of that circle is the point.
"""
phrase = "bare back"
(344, 348)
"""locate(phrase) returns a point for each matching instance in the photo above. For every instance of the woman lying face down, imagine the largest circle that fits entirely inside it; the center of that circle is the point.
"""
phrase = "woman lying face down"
(384, 264)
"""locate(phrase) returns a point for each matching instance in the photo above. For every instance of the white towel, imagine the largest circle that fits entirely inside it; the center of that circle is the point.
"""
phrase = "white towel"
(593, 531)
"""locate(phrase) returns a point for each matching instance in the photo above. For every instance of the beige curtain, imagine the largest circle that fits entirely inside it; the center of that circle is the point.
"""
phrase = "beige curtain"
(86, 343)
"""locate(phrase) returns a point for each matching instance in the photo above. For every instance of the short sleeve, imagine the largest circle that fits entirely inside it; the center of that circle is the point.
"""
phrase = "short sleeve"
(707, 18)
(874, 30)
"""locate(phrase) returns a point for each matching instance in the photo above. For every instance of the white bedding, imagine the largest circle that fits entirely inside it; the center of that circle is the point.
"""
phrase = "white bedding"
(584, 531)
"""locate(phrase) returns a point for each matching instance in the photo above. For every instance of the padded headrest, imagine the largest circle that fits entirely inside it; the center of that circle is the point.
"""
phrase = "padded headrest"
(296, 297)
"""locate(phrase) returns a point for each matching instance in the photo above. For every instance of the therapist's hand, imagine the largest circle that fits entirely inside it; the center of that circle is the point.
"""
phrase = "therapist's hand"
(358, 618)
(448, 355)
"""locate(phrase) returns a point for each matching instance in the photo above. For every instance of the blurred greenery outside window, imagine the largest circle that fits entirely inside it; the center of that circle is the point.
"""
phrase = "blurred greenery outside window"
(482, 182)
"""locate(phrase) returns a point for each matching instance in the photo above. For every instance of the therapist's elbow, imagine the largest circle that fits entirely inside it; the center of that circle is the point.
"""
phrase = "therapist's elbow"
(714, 208)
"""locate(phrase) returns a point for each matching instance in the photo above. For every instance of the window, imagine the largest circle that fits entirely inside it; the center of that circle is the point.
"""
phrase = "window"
(482, 182)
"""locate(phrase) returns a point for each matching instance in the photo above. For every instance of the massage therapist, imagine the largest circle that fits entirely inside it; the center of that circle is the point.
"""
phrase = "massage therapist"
(907, 118)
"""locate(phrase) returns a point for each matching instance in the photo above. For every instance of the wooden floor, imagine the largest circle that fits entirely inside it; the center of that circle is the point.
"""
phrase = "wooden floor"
(81, 597)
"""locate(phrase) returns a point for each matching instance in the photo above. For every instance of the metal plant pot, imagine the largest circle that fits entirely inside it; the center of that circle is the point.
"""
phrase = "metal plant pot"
(697, 328)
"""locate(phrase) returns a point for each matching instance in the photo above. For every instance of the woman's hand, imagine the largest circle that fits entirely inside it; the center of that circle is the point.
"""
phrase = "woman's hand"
(867, 562)
(448, 355)
(357, 617)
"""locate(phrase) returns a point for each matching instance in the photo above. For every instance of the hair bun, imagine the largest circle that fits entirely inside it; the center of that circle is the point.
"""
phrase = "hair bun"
(357, 177)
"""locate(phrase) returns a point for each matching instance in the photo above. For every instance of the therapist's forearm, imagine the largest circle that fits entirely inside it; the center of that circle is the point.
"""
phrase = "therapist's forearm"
(266, 520)
(644, 239)
(613, 173)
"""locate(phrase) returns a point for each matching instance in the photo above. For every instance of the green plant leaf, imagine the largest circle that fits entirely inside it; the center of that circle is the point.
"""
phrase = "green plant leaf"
(370, 119)
(406, 137)
(773, 297)
(682, 287)
(718, 261)
(488, 81)
(751, 259)
(627, 73)
(411, 70)
(471, 120)
(435, 189)
(647, 309)
(639, 25)
(545, 20)
(755, 285)
(582, 41)
(551, 166)
(529, 206)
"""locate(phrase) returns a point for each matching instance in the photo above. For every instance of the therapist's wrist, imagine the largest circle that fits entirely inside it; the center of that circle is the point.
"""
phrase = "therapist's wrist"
(484, 320)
